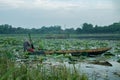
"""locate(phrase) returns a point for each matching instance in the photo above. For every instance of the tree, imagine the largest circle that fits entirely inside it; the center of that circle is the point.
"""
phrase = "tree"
(87, 28)
(78, 30)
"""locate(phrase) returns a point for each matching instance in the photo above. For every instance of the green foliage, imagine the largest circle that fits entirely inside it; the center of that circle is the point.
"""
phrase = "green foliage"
(35, 69)
(41, 44)
(9, 41)
(10, 71)
(86, 28)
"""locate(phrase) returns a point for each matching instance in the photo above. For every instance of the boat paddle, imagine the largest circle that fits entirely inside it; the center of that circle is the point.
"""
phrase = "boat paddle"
(31, 43)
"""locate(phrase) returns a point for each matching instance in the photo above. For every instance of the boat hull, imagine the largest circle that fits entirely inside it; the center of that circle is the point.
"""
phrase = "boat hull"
(89, 52)
(92, 52)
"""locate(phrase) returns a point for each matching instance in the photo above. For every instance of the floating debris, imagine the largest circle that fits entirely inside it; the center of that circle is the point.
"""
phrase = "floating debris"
(109, 54)
(89, 67)
(118, 60)
(105, 63)
(116, 73)
(72, 62)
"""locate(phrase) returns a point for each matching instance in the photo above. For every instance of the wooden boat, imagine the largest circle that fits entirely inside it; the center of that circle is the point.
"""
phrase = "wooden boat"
(87, 52)
(91, 52)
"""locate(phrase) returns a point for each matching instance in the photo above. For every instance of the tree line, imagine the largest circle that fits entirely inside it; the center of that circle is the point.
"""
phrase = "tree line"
(86, 28)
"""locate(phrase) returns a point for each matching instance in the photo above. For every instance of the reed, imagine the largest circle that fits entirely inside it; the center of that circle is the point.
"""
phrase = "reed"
(10, 71)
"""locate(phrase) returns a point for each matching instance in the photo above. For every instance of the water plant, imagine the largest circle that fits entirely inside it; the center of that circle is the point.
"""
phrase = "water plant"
(35, 68)
(25, 71)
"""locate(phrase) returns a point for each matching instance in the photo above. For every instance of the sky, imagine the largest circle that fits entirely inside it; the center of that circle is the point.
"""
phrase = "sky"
(66, 13)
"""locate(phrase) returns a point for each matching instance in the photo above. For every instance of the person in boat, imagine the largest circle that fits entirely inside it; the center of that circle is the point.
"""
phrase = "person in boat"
(28, 47)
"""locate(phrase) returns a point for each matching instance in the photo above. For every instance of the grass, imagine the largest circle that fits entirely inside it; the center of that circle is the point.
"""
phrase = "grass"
(10, 70)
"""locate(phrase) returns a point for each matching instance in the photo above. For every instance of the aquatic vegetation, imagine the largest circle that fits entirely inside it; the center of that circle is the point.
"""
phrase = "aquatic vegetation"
(118, 60)
(9, 41)
(10, 71)
(105, 63)
(17, 65)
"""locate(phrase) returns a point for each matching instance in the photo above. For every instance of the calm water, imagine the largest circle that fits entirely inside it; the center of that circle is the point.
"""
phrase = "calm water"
(93, 71)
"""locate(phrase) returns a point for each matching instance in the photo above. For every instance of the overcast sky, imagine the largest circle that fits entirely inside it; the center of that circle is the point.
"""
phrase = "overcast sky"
(67, 13)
